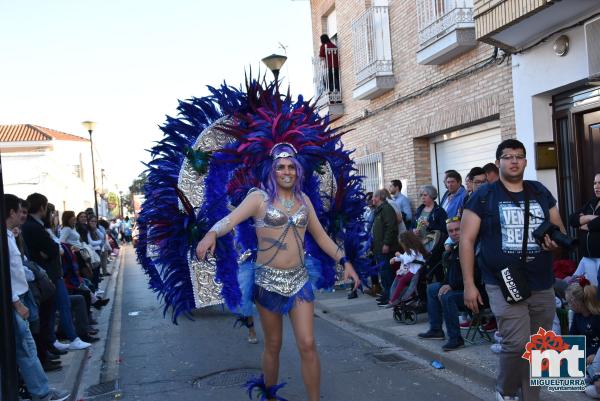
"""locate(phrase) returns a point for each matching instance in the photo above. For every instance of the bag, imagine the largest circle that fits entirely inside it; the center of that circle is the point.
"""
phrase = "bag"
(43, 288)
(513, 283)
(90, 255)
(431, 239)
(512, 279)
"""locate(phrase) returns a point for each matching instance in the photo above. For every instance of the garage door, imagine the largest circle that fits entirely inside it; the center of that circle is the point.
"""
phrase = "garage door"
(463, 150)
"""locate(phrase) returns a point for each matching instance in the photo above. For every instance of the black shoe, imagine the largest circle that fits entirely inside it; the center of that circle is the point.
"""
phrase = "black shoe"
(378, 299)
(92, 332)
(89, 339)
(100, 303)
(92, 321)
(52, 357)
(383, 304)
(51, 348)
(432, 335)
(48, 367)
(453, 343)
(105, 274)
(353, 294)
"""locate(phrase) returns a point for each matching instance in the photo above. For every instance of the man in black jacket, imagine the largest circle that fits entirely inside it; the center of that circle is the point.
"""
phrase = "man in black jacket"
(44, 251)
(446, 298)
(385, 241)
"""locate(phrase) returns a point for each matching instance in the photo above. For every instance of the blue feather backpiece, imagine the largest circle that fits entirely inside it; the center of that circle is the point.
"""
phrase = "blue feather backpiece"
(253, 119)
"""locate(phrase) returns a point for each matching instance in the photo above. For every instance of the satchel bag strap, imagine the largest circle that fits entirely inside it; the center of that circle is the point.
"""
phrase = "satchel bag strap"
(525, 228)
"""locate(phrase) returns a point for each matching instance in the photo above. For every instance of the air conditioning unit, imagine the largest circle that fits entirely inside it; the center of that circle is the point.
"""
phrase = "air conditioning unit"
(592, 42)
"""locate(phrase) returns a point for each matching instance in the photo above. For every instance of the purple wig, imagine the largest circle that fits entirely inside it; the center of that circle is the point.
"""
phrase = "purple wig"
(271, 184)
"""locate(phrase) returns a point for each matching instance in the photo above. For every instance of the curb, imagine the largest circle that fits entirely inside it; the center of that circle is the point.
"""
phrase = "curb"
(86, 372)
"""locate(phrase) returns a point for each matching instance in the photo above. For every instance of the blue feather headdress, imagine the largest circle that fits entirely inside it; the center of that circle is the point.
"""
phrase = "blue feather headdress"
(212, 154)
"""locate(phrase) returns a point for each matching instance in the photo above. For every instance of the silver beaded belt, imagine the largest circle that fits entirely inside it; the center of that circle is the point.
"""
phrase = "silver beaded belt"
(286, 282)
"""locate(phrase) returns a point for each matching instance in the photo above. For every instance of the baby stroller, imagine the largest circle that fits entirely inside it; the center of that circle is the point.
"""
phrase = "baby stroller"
(413, 299)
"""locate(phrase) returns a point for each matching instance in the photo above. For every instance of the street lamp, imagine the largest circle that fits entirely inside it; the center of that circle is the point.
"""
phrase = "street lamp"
(121, 202)
(89, 126)
(274, 62)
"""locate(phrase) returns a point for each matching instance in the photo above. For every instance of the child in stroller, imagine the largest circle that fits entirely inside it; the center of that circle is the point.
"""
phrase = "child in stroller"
(407, 276)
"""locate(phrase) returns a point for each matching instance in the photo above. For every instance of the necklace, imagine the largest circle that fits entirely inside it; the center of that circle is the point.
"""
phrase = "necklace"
(288, 204)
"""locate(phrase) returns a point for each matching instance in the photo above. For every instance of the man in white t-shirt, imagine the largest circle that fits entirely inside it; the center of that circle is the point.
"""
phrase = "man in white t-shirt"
(29, 365)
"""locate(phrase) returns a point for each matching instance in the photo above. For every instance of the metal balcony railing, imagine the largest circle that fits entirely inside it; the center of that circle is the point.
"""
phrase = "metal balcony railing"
(371, 44)
(326, 77)
(438, 17)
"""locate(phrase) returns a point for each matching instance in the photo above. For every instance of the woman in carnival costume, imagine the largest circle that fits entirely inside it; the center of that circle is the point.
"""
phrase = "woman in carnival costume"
(275, 185)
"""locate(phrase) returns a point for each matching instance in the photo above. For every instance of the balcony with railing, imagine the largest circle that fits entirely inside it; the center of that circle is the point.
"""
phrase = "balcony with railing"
(446, 30)
(372, 50)
(326, 78)
(515, 24)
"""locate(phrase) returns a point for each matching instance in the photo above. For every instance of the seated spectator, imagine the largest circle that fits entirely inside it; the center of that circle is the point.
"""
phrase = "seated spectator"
(582, 298)
(429, 222)
(411, 261)
(445, 299)
(453, 199)
(587, 221)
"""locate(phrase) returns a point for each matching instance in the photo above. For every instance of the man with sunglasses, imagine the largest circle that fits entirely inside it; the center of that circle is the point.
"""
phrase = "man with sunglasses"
(496, 217)
(445, 299)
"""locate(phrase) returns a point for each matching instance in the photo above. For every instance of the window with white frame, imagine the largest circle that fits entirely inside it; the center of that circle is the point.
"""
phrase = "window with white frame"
(371, 169)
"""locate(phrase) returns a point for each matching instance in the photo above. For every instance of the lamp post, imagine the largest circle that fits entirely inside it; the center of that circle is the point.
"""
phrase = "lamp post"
(121, 202)
(89, 126)
(274, 62)
(102, 195)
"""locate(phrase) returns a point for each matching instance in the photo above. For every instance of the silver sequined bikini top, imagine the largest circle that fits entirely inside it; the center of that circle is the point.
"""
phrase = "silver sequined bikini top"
(275, 218)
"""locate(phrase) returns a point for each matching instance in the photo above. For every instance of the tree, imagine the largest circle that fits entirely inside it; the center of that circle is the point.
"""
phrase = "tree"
(137, 187)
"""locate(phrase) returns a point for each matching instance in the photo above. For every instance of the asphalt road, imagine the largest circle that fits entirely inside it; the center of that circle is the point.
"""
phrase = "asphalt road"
(208, 359)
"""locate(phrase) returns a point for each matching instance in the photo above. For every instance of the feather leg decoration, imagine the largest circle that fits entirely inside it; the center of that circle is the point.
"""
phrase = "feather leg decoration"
(265, 393)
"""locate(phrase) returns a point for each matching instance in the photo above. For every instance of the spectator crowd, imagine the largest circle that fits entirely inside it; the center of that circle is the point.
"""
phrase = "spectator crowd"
(492, 257)
(56, 266)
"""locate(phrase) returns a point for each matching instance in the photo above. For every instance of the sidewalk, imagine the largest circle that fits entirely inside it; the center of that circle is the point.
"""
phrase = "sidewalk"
(474, 362)
(74, 363)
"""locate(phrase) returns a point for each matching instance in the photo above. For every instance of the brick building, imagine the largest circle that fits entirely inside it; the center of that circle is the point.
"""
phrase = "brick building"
(418, 92)
(556, 73)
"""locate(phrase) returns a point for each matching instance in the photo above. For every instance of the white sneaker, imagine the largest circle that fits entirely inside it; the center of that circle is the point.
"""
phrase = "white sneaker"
(500, 397)
(78, 344)
(53, 395)
(60, 346)
(496, 348)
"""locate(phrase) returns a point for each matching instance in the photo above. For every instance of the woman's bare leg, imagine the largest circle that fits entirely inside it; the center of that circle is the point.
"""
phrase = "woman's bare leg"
(272, 324)
(252, 339)
(302, 317)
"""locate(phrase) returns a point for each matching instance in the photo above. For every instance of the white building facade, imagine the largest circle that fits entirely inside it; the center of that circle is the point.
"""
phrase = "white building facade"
(50, 162)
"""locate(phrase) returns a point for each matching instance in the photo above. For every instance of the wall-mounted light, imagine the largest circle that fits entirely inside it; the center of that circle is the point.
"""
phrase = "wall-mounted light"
(561, 45)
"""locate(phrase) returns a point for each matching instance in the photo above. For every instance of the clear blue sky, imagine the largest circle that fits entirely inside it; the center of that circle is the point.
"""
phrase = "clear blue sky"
(124, 63)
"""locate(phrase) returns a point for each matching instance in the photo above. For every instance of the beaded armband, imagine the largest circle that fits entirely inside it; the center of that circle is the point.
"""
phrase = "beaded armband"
(221, 227)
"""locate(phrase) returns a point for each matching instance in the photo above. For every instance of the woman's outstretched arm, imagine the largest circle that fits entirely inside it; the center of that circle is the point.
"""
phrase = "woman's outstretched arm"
(248, 208)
